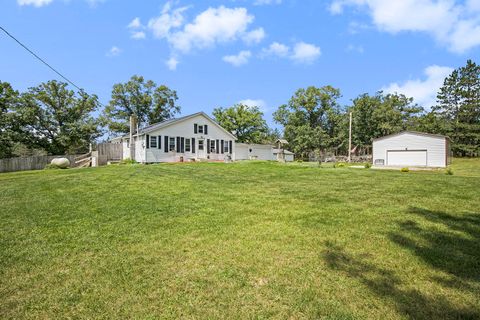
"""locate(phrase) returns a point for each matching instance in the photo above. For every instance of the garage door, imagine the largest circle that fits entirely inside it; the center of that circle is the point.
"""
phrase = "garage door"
(407, 158)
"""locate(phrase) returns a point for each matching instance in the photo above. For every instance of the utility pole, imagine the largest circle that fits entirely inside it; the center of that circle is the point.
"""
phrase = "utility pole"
(350, 139)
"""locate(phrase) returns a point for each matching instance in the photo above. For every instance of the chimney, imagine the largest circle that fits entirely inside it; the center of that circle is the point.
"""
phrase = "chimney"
(133, 126)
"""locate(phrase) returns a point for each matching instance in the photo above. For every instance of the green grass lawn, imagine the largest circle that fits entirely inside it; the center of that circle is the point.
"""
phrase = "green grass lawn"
(243, 240)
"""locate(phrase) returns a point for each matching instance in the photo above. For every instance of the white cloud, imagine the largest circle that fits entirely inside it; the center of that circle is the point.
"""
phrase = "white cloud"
(305, 53)
(135, 24)
(238, 60)
(114, 51)
(214, 25)
(209, 28)
(138, 35)
(454, 24)
(261, 104)
(41, 3)
(254, 36)
(355, 48)
(172, 63)
(35, 3)
(301, 53)
(473, 5)
(336, 7)
(265, 2)
(424, 91)
(168, 20)
(276, 49)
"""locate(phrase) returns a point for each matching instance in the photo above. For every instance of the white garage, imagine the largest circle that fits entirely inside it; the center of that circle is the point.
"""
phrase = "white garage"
(411, 149)
(244, 151)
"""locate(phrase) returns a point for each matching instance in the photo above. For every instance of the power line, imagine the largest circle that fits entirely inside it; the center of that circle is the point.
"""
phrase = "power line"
(43, 61)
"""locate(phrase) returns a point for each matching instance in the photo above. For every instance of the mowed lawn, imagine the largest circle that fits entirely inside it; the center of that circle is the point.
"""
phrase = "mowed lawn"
(243, 240)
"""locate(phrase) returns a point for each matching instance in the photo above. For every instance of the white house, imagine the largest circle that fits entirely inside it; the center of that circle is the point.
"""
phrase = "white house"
(191, 138)
(412, 149)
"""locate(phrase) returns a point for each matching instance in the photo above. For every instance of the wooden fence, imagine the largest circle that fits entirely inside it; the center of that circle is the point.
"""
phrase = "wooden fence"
(31, 163)
(112, 151)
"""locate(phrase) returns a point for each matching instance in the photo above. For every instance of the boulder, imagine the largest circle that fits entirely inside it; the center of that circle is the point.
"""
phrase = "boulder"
(61, 162)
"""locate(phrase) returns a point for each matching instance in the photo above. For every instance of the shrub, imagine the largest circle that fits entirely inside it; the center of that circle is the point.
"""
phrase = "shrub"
(53, 167)
(405, 170)
(449, 171)
(368, 165)
(340, 165)
(128, 161)
(299, 160)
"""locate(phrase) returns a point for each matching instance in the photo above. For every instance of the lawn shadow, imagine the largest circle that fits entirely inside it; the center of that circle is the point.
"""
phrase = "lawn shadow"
(386, 284)
(450, 243)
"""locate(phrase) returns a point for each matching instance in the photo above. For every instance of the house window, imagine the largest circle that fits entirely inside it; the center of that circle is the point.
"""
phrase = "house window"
(212, 146)
(200, 144)
(187, 145)
(225, 146)
(200, 129)
(171, 145)
(153, 141)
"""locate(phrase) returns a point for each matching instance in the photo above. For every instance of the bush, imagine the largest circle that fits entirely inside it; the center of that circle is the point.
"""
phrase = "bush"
(449, 171)
(405, 170)
(340, 165)
(299, 160)
(53, 167)
(368, 165)
(128, 161)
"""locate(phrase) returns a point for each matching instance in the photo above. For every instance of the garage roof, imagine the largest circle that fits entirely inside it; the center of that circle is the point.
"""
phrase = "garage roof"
(414, 133)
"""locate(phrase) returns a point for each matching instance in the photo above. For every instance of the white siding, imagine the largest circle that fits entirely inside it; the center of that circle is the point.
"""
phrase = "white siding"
(185, 129)
(289, 157)
(254, 151)
(435, 147)
(126, 149)
(140, 149)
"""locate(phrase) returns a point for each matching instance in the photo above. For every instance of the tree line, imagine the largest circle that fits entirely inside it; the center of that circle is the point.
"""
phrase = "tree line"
(53, 119)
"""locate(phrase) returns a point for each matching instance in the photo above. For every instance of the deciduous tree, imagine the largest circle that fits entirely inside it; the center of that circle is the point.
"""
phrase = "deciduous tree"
(57, 119)
(245, 122)
(144, 99)
(313, 120)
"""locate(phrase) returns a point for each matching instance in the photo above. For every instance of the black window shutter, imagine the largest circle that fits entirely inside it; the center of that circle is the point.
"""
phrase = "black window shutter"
(178, 144)
(193, 145)
(166, 145)
(230, 147)
(217, 149)
(148, 141)
(195, 128)
(159, 142)
(205, 129)
(222, 147)
(208, 145)
(182, 145)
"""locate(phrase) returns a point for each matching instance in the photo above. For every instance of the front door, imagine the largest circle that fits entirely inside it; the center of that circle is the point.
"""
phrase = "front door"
(202, 149)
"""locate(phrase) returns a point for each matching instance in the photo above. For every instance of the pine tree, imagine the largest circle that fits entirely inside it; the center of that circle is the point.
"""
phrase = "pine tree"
(459, 109)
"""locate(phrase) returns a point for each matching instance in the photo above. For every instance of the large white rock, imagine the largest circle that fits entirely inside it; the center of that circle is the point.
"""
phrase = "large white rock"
(61, 162)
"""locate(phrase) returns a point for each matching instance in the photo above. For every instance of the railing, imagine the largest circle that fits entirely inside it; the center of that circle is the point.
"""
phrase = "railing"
(84, 160)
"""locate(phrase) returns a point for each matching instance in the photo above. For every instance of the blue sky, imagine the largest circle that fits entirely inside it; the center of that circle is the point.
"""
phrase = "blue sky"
(217, 53)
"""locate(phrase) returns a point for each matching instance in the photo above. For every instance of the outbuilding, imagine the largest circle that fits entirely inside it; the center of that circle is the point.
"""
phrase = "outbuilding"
(412, 149)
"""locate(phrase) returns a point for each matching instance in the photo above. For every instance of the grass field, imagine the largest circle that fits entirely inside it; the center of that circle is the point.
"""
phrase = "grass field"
(244, 240)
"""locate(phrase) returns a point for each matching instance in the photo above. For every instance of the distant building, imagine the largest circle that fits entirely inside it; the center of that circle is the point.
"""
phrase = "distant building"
(412, 149)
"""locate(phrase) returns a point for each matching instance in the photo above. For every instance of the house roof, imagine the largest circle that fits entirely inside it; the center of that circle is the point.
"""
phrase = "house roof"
(283, 141)
(414, 133)
(169, 122)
